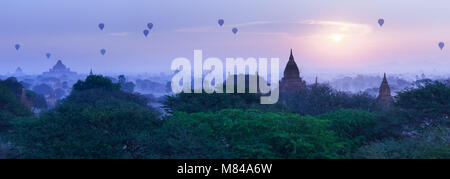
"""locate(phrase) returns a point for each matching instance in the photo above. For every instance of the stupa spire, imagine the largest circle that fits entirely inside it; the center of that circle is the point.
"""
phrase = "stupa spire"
(384, 94)
(291, 57)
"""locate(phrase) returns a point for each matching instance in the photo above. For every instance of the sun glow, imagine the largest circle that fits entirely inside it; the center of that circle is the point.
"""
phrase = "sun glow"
(336, 37)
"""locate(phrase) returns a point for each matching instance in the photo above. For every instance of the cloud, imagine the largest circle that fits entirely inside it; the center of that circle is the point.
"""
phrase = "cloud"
(344, 27)
(292, 28)
(118, 34)
(211, 27)
(195, 29)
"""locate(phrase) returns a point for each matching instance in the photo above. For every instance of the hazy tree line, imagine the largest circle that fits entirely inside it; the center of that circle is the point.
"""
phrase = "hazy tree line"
(102, 119)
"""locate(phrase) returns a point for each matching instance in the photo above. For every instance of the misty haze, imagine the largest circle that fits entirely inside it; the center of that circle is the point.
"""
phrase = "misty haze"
(86, 79)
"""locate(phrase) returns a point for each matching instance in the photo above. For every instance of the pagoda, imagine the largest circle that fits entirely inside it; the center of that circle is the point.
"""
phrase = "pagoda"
(291, 80)
(384, 94)
(59, 70)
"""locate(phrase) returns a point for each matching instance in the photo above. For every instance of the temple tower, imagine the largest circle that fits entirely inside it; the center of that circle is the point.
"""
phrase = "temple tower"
(384, 95)
(291, 80)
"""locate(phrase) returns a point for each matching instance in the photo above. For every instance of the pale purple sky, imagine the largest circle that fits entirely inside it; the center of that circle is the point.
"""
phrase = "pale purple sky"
(326, 35)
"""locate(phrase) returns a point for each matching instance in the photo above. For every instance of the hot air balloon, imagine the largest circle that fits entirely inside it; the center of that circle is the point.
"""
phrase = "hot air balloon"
(441, 45)
(17, 46)
(381, 22)
(48, 55)
(101, 26)
(235, 30)
(221, 21)
(103, 51)
(145, 32)
(149, 26)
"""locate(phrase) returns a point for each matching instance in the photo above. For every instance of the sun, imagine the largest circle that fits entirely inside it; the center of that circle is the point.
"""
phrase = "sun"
(336, 37)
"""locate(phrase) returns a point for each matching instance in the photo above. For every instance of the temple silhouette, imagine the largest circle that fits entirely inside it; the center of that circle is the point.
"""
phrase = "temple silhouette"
(59, 70)
(291, 80)
(384, 95)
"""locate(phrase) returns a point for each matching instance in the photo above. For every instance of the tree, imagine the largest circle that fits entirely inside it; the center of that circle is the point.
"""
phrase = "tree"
(429, 103)
(237, 133)
(96, 120)
(13, 85)
(355, 128)
(203, 102)
(122, 79)
(10, 107)
(109, 128)
(320, 99)
(25, 85)
(430, 144)
(96, 88)
(126, 86)
(96, 82)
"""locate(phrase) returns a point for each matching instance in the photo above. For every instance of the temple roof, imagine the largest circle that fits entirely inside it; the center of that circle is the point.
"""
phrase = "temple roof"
(384, 94)
(19, 70)
(59, 69)
(59, 66)
(384, 83)
(291, 69)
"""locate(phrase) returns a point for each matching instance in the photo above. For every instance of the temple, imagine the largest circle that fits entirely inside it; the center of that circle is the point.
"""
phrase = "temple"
(291, 80)
(19, 72)
(384, 95)
(59, 70)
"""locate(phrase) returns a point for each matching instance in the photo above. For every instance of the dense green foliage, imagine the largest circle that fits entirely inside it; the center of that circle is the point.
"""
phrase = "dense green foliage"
(97, 87)
(106, 129)
(95, 121)
(16, 87)
(13, 86)
(319, 99)
(314, 100)
(99, 119)
(96, 82)
(421, 119)
(10, 107)
(236, 133)
(353, 127)
(428, 103)
(93, 95)
(430, 144)
(203, 102)
(126, 86)
(39, 101)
